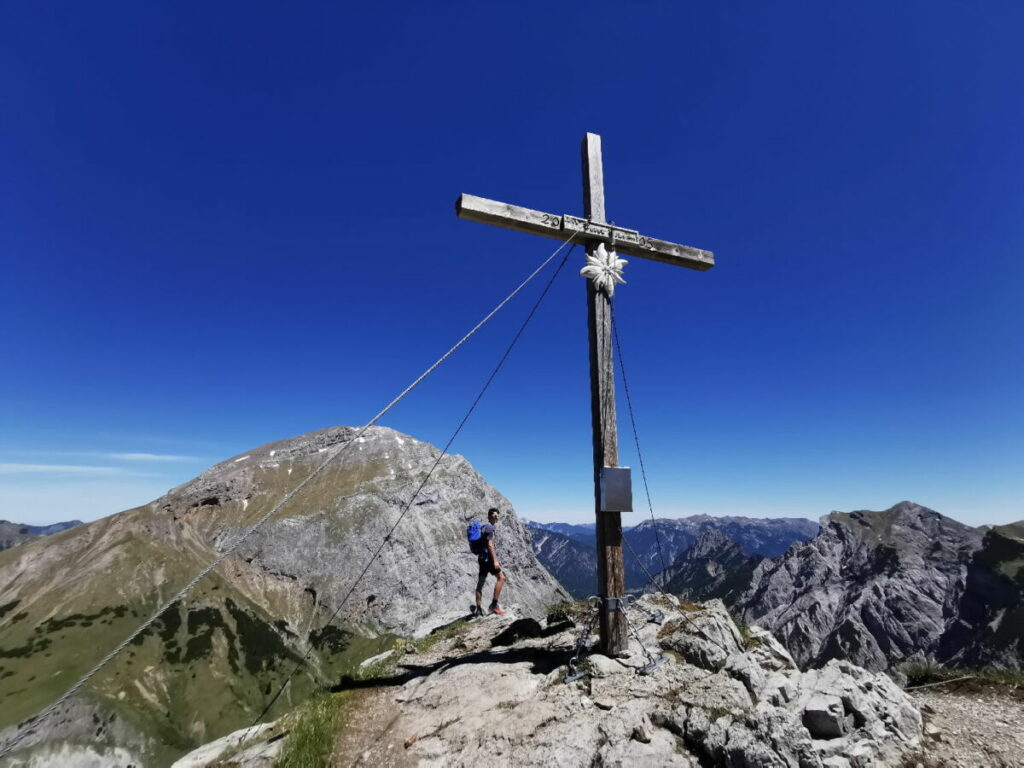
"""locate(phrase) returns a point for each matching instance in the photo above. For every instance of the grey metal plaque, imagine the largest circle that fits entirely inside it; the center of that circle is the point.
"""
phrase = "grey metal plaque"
(616, 489)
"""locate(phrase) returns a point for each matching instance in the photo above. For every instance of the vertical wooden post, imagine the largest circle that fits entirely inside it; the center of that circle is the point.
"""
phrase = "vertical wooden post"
(610, 572)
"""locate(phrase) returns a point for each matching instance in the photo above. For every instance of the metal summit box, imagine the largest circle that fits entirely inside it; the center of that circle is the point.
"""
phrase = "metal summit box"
(616, 489)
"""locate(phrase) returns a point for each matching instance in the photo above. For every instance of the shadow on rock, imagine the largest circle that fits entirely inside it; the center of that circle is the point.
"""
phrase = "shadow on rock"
(542, 661)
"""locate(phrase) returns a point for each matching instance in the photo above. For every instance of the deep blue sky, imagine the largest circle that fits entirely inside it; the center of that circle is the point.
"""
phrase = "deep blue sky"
(224, 224)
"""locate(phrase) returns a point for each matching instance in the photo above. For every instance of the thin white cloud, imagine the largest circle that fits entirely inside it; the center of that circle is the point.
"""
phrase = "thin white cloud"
(81, 498)
(169, 457)
(57, 469)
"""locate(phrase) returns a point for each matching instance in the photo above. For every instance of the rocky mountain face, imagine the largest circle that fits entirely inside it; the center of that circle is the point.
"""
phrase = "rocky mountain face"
(13, 534)
(989, 624)
(757, 536)
(571, 562)
(883, 588)
(211, 662)
(493, 692)
(651, 541)
(878, 588)
(714, 567)
(768, 537)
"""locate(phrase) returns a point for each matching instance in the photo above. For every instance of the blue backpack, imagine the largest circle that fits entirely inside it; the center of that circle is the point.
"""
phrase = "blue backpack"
(475, 537)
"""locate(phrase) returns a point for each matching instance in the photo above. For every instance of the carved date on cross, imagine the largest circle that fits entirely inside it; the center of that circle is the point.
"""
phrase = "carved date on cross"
(625, 241)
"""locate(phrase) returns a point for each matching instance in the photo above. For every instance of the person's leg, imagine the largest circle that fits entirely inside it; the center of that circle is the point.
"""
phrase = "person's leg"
(497, 587)
(480, 586)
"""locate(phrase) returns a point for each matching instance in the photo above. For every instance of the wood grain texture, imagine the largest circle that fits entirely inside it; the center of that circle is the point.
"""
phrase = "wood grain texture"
(593, 178)
(509, 216)
(611, 575)
(558, 227)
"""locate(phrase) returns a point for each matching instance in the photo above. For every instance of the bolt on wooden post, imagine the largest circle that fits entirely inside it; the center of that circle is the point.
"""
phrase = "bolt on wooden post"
(598, 236)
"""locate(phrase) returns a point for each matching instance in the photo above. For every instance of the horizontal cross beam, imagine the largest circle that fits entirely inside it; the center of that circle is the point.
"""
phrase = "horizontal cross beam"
(623, 241)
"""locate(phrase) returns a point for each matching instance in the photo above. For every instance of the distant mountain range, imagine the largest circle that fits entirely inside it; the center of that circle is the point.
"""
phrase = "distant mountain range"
(13, 534)
(574, 563)
(877, 588)
(571, 561)
(583, 532)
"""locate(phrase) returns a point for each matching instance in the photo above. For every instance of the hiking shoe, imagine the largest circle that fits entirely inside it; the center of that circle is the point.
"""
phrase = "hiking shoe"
(497, 609)
(476, 610)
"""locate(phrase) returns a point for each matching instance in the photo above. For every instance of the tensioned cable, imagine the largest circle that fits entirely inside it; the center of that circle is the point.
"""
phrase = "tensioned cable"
(409, 503)
(24, 727)
(650, 579)
(688, 616)
(636, 440)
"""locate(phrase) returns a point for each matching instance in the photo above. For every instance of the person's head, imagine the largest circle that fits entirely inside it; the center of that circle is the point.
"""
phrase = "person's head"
(492, 515)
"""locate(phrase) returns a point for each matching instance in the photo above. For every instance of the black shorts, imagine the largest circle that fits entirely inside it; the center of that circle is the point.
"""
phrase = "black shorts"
(486, 568)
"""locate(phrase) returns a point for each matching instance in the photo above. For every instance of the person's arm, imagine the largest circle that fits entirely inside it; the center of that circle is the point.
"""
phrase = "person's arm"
(494, 554)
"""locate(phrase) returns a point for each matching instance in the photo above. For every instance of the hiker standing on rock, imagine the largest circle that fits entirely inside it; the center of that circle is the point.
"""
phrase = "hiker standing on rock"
(481, 542)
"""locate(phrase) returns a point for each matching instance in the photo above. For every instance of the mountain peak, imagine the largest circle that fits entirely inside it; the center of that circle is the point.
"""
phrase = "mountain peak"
(326, 578)
(904, 526)
(882, 587)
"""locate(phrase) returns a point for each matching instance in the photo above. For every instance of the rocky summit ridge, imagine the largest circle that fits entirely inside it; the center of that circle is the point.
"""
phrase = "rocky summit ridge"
(493, 691)
(211, 662)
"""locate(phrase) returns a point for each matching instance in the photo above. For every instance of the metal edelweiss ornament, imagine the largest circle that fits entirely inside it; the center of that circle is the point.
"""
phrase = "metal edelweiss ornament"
(604, 267)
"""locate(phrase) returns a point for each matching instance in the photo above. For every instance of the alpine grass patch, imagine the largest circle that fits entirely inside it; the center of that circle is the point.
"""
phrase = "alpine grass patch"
(749, 641)
(923, 673)
(312, 737)
(576, 611)
(426, 644)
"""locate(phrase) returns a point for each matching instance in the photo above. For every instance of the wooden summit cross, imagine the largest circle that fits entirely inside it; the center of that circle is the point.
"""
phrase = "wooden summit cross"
(602, 240)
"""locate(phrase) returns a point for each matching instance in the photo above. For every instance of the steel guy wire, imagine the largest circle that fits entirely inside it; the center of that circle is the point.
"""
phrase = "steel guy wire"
(408, 505)
(24, 727)
(581, 644)
(636, 635)
(687, 617)
(629, 403)
(650, 579)
(636, 439)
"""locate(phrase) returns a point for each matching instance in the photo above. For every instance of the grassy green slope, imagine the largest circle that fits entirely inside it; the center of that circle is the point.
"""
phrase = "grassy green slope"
(202, 669)
(205, 667)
